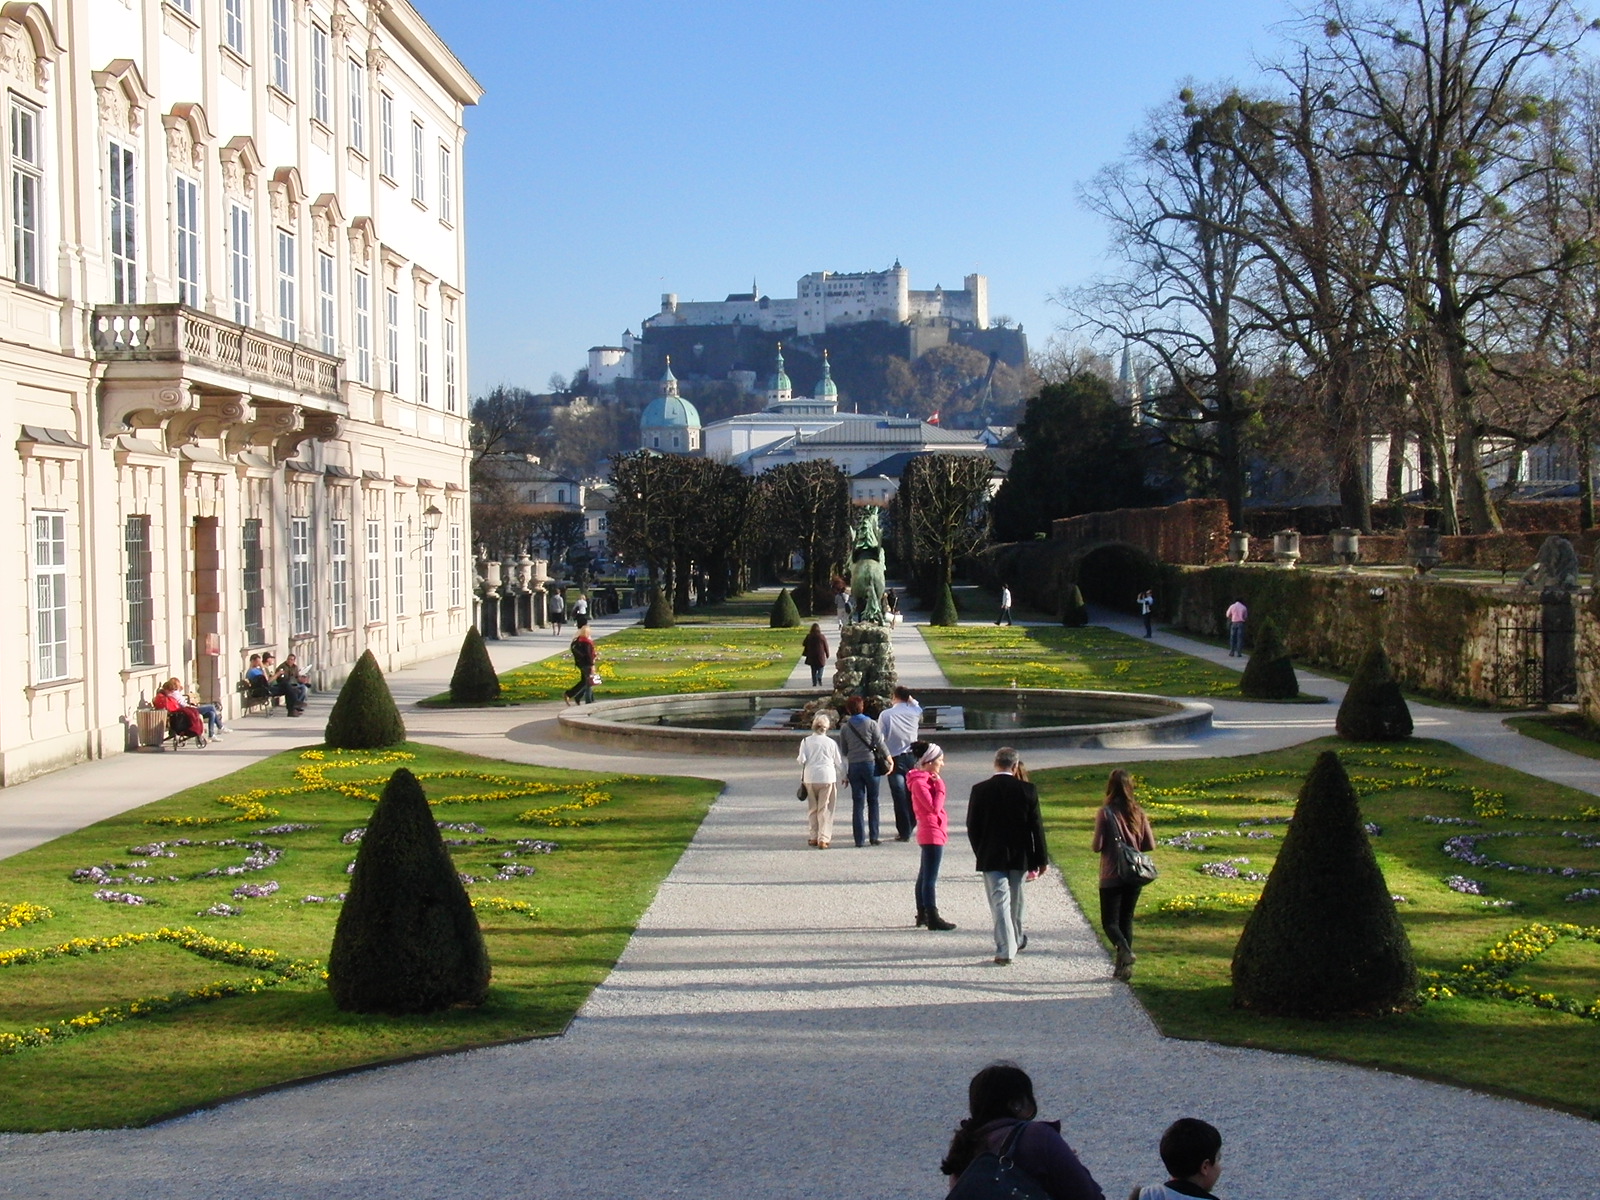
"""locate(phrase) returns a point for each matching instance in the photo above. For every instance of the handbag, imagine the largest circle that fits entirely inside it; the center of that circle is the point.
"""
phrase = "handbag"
(800, 793)
(594, 678)
(882, 764)
(992, 1176)
(1134, 867)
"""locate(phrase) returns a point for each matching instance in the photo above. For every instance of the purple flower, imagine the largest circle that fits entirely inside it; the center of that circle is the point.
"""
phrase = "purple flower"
(111, 897)
(1460, 883)
(255, 891)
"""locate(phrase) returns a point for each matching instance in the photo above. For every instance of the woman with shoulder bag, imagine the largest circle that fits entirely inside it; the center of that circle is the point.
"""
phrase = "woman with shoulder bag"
(822, 769)
(584, 656)
(1000, 1150)
(1121, 826)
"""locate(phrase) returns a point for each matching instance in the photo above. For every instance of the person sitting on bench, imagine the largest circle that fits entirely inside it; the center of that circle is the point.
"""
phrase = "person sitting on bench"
(291, 685)
(183, 720)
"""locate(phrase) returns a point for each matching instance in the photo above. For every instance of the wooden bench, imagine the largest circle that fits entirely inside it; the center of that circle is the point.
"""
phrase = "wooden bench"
(251, 699)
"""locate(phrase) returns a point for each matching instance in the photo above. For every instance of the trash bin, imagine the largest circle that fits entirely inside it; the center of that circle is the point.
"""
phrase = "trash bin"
(152, 726)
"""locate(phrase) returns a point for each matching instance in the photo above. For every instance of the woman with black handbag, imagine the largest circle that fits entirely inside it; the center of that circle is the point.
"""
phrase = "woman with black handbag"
(1124, 839)
(1001, 1151)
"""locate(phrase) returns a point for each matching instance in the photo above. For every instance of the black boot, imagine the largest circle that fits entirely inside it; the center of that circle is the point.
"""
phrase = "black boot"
(922, 916)
(935, 921)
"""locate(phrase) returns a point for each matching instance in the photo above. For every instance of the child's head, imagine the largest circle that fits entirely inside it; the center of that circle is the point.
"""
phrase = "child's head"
(1189, 1147)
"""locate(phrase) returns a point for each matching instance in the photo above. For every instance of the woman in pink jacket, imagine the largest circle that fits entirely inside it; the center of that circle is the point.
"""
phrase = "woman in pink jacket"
(927, 803)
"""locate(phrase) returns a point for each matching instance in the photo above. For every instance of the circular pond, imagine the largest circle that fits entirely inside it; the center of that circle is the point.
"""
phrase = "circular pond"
(763, 723)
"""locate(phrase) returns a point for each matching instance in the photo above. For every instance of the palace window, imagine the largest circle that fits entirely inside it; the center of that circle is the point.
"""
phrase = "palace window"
(187, 228)
(427, 571)
(239, 263)
(280, 45)
(386, 135)
(422, 355)
(141, 612)
(326, 315)
(300, 574)
(288, 301)
(255, 593)
(450, 398)
(321, 99)
(27, 195)
(374, 572)
(124, 224)
(399, 569)
(50, 595)
(455, 566)
(339, 562)
(419, 183)
(447, 185)
(358, 106)
(363, 327)
(391, 314)
(233, 24)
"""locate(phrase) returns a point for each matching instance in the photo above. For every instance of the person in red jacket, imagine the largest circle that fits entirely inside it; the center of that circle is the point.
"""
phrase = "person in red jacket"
(927, 802)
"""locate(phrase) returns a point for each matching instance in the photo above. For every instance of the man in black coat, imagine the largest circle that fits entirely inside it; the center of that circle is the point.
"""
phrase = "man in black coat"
(1007, 835)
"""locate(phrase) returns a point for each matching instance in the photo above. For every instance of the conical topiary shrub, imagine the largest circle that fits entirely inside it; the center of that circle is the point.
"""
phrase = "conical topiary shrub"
(1074, 612)
(784, 613)
(1324, 939)
(944, 609)
(364, 716)
(475, 680)
(1269, 675)
(659, 614)
(407, 940)
(1374, 710)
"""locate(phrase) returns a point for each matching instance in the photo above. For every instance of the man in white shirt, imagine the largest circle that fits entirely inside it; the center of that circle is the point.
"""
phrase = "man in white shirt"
(898, 723)
(1005, 606)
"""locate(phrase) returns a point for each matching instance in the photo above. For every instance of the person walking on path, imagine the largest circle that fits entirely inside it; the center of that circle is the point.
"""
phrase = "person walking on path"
(558, 612)
(580, 610)
(898, 723)
(1238, 614)
(1120, 814)
(841, 606)
(1005, 606)
(815, 651)
(821, 771)
(927, 799)
(584, 657)
(1007, 835)
(863, 745)
(1000, 1101)
(1147, 603)
(1191, 1150)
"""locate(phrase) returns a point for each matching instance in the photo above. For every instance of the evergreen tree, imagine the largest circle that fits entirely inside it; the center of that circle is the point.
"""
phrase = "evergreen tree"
(474, 680)
(944, 609)
(659, 615)
(407, 940)
(1374, 709)
(1324, 939)
(364, 716)
(1269, 675)
(1074, 612)
(784, 613)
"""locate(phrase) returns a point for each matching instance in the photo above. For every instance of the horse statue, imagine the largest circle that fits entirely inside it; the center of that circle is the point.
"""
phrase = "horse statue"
(866, 570)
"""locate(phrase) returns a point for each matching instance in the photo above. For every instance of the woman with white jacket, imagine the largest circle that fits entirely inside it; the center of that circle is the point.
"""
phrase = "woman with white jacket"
(823, 769)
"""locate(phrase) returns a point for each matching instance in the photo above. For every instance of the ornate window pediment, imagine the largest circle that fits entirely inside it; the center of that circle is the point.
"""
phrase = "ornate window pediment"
(326, 219)
(241, 163)
(286, 193)
(122, 96)
(188, 135)
(28, 46)
(363, 239)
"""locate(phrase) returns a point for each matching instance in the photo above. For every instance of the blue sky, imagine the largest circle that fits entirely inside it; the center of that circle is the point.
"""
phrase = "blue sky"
(626, 149)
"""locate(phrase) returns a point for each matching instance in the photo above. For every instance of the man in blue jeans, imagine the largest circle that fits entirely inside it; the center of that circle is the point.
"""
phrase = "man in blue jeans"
(898, 723)
(862, 744)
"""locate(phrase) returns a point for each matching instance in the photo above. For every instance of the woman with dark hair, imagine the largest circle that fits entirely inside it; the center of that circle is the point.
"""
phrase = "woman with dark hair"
(1120, 814)
(815, 651)
(584, 656)
(1000, 1100)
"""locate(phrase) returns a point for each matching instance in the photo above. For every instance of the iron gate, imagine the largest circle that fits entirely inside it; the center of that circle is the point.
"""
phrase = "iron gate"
(1536, 662)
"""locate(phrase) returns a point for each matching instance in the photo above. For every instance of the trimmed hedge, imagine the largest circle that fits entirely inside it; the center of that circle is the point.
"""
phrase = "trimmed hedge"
(1269, 675)
(475, 680)
(1074, 612)
(1325, 940)
(659, 615)
(785, 615)
(1374, 709)
(364, 717)
(944, 609)
(407, 940)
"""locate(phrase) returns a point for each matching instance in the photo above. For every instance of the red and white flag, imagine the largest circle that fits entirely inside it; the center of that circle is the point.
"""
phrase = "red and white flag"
(933, 420)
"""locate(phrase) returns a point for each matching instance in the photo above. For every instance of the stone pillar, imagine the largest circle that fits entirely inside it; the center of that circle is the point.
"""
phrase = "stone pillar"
(491, 599)
(524, 591)
(508, 597)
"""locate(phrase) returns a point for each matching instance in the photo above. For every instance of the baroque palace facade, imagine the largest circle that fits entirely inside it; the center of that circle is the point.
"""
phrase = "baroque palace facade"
(232, 353)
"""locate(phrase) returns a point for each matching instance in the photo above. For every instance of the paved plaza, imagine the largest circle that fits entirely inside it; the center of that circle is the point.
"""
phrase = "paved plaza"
(776, 1027)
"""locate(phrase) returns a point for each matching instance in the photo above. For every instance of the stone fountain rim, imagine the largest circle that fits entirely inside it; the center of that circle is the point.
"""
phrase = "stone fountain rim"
(1175, 719)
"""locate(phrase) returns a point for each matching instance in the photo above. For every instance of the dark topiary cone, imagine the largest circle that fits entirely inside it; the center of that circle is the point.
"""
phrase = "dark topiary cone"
(407, 940)
(784, 613)
(364, 716)
(1269, 675)
(1374, 710)
(944, 609)
(1074, 612)
(475, 680)
(659, 614)
(1324, 940)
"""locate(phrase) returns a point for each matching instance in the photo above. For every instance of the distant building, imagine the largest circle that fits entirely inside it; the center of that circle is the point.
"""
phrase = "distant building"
(523, 483)
(670, 423)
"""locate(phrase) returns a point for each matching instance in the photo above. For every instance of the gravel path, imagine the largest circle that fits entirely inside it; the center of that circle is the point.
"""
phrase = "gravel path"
(776, 1028)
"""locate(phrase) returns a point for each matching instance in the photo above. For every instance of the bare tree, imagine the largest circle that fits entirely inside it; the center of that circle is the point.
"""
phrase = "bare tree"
(805, 507)
(942, 509)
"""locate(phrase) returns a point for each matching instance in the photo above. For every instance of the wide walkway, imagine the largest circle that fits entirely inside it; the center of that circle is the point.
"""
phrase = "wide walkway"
(777, 1028)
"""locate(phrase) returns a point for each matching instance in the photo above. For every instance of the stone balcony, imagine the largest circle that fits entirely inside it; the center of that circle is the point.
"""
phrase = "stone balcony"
(192, 375)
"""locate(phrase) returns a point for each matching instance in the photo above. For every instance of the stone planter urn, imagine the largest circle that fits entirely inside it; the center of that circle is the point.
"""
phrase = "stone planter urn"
(1346, 545)
(1286, 548)
(1238, 546)
(1422, 548)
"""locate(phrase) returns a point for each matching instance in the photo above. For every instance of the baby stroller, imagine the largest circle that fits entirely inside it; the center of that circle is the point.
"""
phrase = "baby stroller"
(184, 724)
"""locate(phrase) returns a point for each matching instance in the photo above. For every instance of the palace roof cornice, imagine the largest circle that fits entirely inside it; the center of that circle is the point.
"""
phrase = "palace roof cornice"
(406, 24)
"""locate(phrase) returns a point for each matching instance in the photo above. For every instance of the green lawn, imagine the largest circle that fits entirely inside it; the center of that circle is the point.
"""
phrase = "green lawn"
(552, 935)
(1567, 731)
(1189, 921)
(752, 608)
(1058, 657)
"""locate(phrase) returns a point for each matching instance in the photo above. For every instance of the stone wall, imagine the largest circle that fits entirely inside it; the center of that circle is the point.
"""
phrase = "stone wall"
(1191, 531)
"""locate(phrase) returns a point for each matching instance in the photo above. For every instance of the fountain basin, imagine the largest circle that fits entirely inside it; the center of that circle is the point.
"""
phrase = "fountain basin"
(721, 723)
